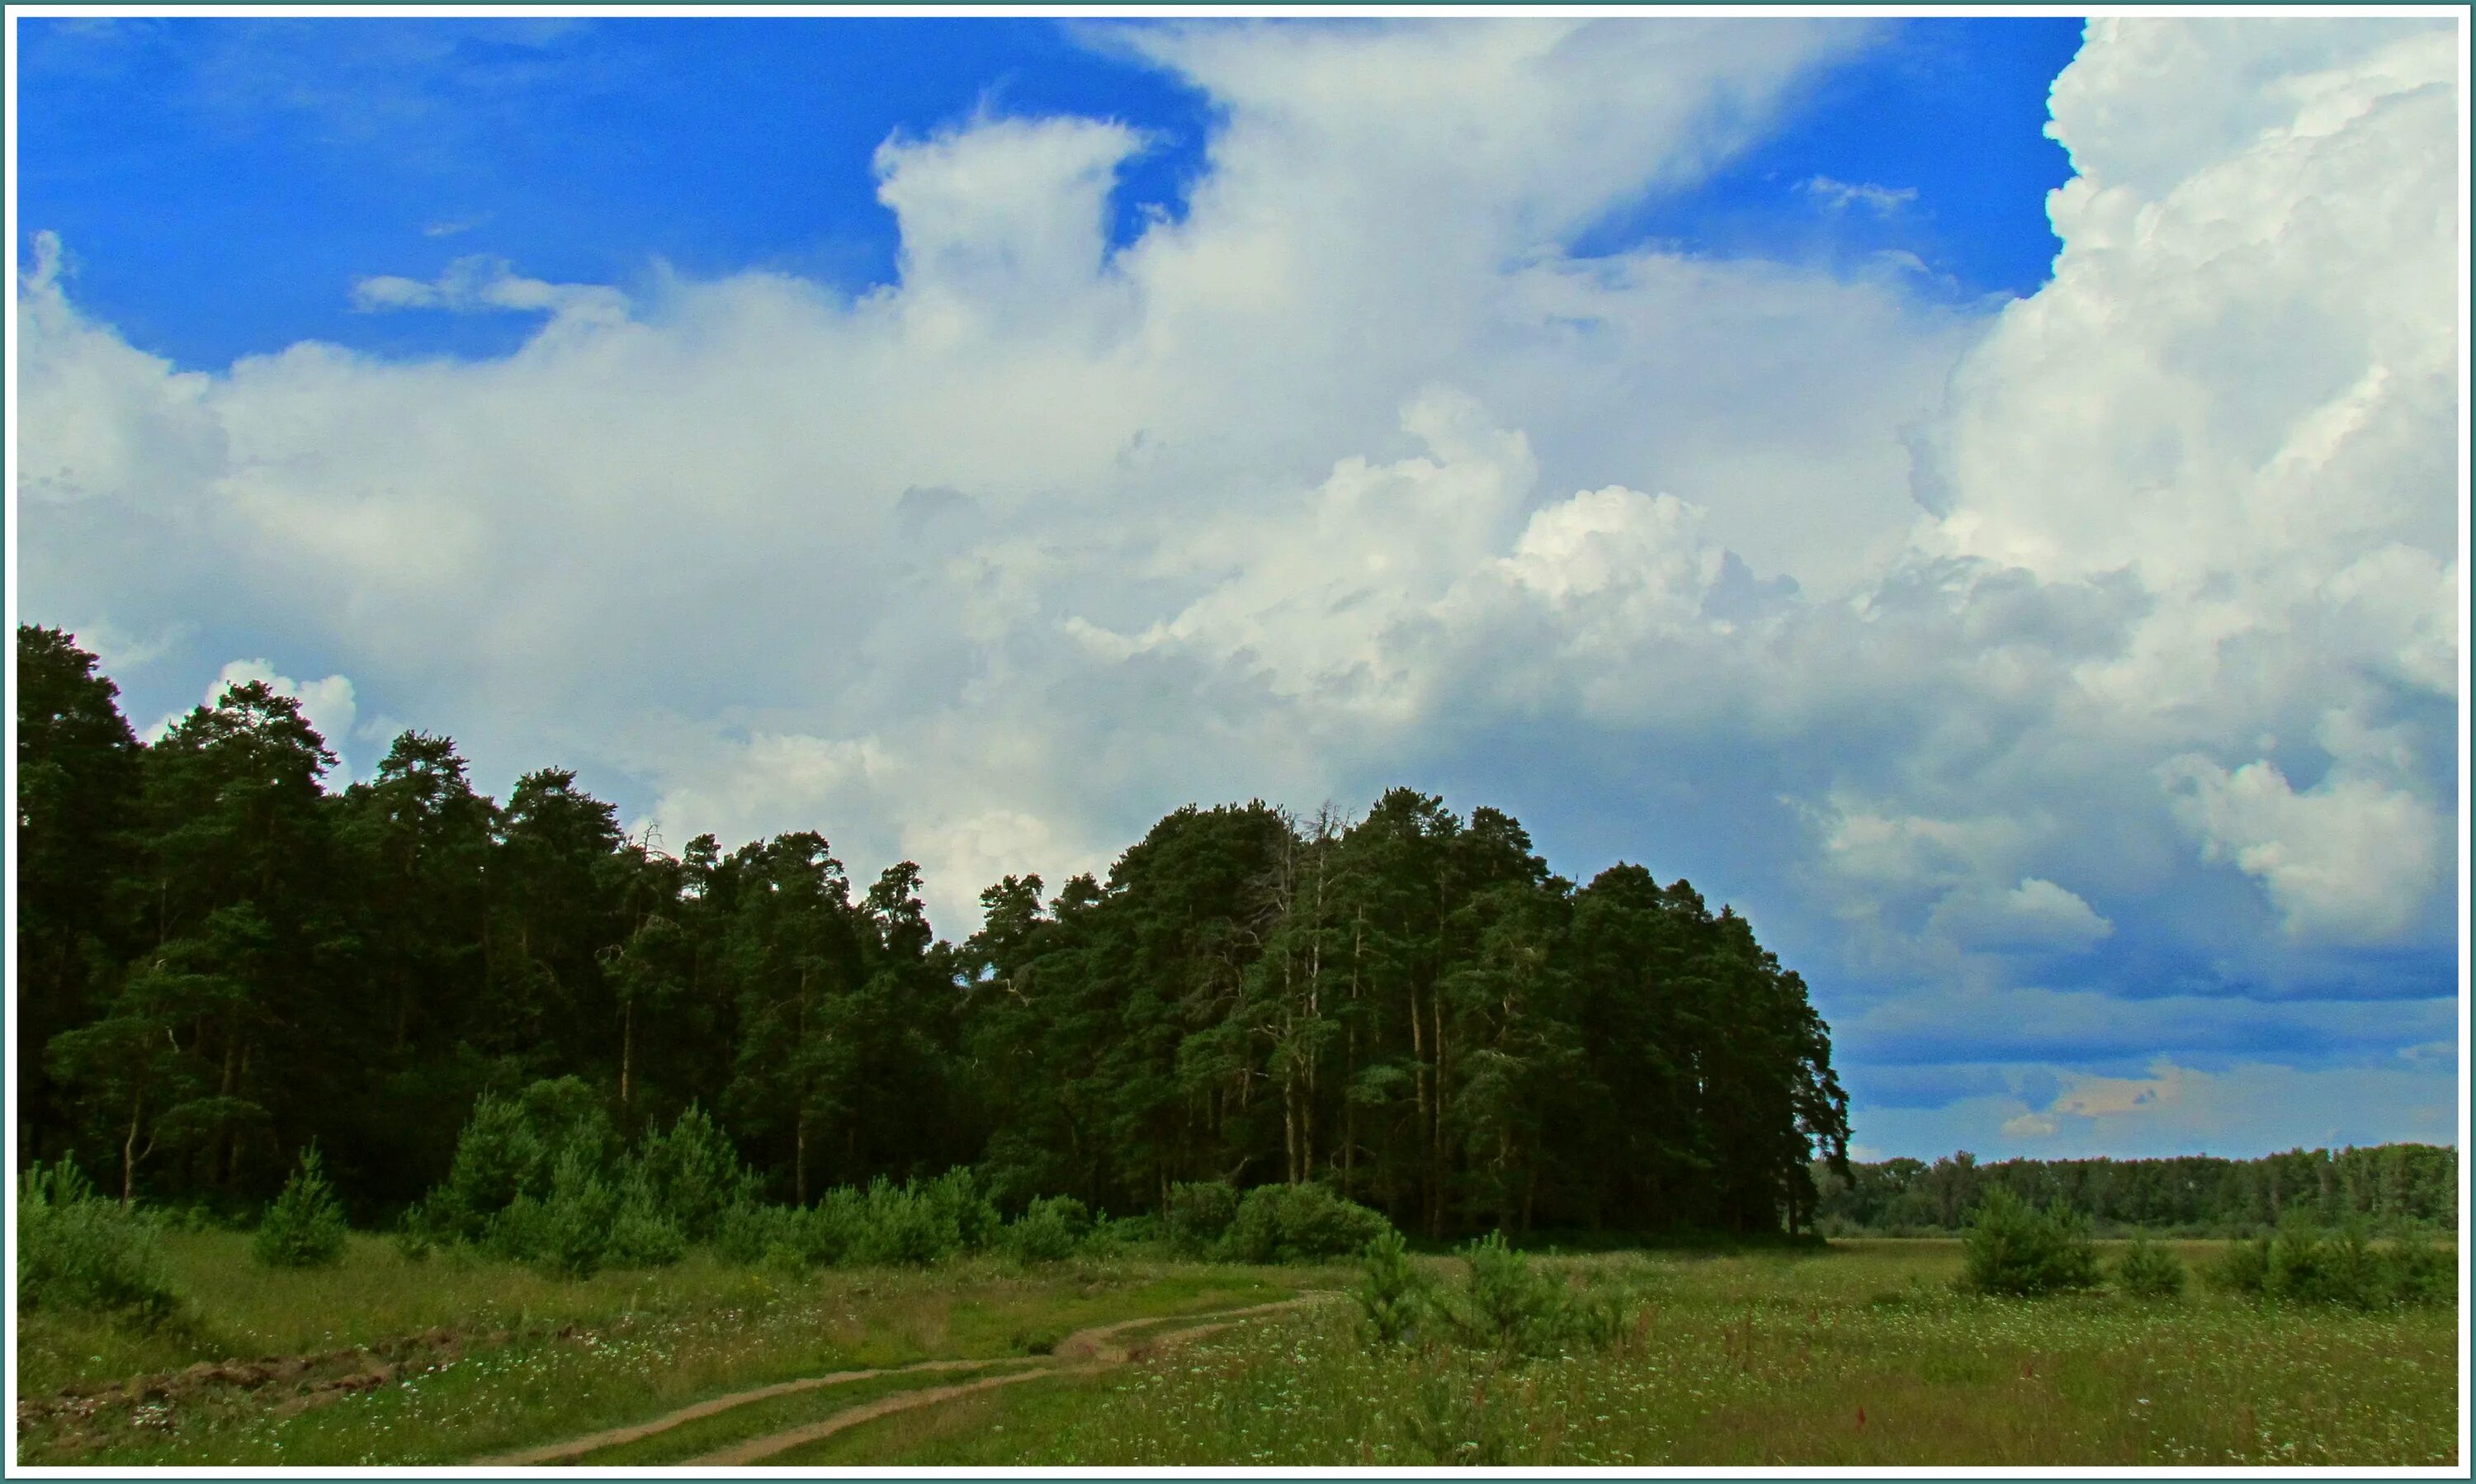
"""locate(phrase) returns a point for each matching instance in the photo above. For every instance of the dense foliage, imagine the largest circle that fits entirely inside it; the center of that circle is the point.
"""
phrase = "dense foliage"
(222, 959)
(2016, 1249)
(78, 1251)
(304, 1227)
(2148, 1270)
(2390, 1185)
(2305, 1264)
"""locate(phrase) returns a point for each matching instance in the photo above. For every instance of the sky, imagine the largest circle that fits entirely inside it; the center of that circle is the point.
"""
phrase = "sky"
(1982, 497)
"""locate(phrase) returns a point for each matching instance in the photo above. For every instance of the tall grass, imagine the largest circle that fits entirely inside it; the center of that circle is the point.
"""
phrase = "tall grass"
(1865, 1355)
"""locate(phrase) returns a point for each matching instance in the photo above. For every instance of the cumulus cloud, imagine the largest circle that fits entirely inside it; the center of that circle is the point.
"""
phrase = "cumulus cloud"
(2036, 914)
(2106, 631)
(326, 704)
(2348, 859)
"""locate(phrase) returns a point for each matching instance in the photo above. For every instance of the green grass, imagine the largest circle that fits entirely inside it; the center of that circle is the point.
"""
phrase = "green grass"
(1755, 1360)
(775, 1414)
(1769, 1357)
(653, 1342)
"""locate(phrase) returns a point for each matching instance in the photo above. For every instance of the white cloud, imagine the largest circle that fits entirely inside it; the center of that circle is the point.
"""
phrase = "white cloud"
(1354, 465)
(481, 285)
(2035, 915)
(2347, 860)
(1841, 195)
(326, 704)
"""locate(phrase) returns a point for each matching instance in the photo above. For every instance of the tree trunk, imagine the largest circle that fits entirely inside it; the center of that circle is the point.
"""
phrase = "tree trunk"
(1436, 1181)
(800, 1162)
(626, 1057)
(129, 1151)
(1419, 1085)
(234, 1084)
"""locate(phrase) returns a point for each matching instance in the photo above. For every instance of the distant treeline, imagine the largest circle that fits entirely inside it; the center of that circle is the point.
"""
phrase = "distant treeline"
(2386, 1185)
(220, 960)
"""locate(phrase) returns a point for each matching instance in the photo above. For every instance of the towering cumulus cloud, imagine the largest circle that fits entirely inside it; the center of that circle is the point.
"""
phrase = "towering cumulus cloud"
(2067, 686)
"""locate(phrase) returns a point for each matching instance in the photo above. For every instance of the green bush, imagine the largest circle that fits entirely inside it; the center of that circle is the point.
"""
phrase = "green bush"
(2011, 1247)
(1197, 1215)
(914, 1223)
(1397, 1299)
(903, 1225)
(692, 1175)
(2303, 1265)
(2243, 1268)
(76, 1250)
(1051, 1229)
(1518, 1311)
(1299, 1224)
(2308, 1267)
(2418, 1271)
(2149, 1271)
(746, 1230)
(566, 1232)
(304, 1227)
(960, 1205)
(643, 1234)
(1511, 1307)
(414, 1241)
(512, 1148)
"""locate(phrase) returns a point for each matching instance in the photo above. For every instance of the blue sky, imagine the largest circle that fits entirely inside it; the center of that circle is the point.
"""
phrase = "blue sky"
(976, 437)
(223, 184)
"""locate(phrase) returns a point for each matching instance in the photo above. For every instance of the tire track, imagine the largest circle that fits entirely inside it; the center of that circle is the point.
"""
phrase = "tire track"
(1084, 1353)
(574, 1448)
(1088, 1351)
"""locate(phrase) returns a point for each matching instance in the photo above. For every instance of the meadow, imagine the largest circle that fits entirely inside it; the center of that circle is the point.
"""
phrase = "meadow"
(1861, 1353)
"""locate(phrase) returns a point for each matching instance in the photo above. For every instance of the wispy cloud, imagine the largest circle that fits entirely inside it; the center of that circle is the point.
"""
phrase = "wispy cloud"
(1841, 195)
(480, 284)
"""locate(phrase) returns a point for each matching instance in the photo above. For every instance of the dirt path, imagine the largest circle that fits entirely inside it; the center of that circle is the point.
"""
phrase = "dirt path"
(577, 1448)
(755, 1450)
(1080, 1353)
(1086, 1352)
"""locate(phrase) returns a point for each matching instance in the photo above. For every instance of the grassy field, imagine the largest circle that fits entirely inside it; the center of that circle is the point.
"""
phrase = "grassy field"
(526, 1360)
(1859, 1355)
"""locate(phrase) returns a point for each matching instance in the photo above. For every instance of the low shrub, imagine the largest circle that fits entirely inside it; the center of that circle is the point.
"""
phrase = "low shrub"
(512, 1148)
(1299, 1224)
(2308, 1267)
(1518, 1312)
(1396, 1298)
(746, 1230)
(1511, 1307)
(566, 1232)
(904, 1224)
(2243, 1268)
(1196, 1216)
(2420, 1272)
(304, 1227)
(2149, 1271)
(2015, 1249)
(414, 1241)
(2302, 1264)
(1051, 1229)
(644, 1233)
(76, 1250)
(916, 1223)
(692, 1175)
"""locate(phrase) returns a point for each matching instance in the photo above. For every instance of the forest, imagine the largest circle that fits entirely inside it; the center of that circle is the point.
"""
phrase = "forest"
(222, 962)
(2388, 1185)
